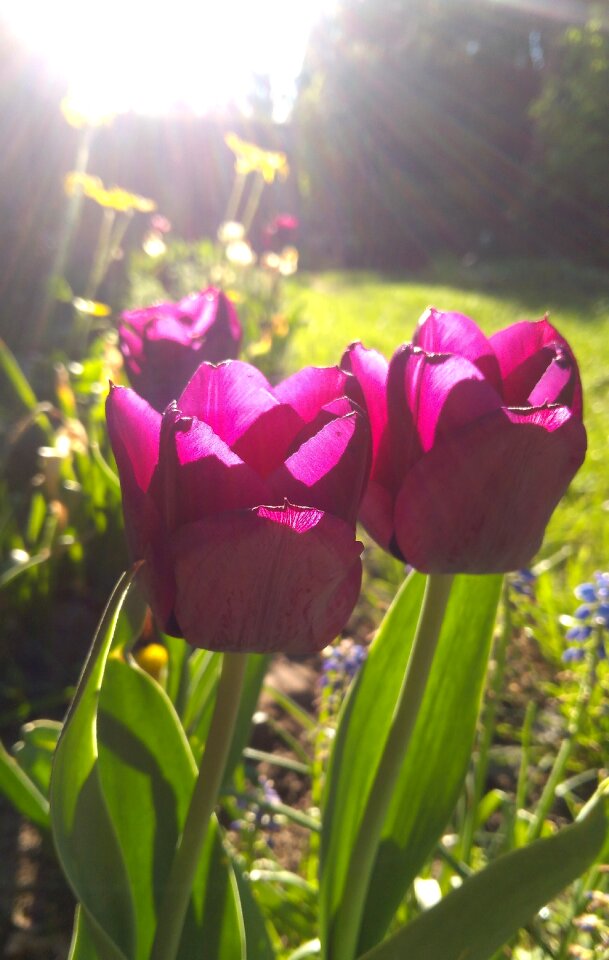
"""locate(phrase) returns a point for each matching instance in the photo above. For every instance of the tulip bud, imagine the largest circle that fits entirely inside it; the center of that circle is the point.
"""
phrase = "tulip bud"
(163, 345)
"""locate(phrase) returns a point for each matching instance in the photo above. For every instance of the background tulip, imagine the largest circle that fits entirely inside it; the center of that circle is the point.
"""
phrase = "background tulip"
(164, 344)
(242, 500)
(475, 440)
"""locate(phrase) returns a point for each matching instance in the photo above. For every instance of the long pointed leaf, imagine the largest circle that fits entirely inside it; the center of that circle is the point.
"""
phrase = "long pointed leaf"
(22, 791)
(489, 908)
(439, 752)
(84, 835)
(364, 724)
(147, 774)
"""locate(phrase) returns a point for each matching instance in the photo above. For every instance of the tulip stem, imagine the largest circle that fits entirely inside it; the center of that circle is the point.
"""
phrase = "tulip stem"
(350, 912)
(202, 804)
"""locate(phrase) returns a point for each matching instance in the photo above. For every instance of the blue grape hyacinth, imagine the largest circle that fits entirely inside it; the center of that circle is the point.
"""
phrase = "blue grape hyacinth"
(590, 622)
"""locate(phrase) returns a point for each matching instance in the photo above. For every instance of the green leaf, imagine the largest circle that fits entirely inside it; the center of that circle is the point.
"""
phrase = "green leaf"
(214, 926)
(475, 920)
(438, 755)
(22, 792)
(147, 773)
(258, 944)
(257, 665)
(362, 731)
(85, 837)
(177, 671)
(82, 946)
(121, 785)
(34, 751)
(439, 752)
(16, 377)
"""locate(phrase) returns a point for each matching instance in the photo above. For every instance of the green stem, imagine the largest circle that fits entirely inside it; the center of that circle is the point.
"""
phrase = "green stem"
(253, 201)
(411, 695)
(566, 748)
(202, 804)
(235, 197)
(488, 727)
(65, 238)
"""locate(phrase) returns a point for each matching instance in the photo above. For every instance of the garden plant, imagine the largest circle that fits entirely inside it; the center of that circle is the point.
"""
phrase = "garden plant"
(229, 492)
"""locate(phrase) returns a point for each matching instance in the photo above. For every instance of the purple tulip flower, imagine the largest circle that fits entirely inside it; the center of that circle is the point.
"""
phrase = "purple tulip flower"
(475, 440)
(242, 500)
(163, 345)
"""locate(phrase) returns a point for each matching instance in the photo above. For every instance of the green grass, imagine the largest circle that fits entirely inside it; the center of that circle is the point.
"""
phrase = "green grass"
(382, 313)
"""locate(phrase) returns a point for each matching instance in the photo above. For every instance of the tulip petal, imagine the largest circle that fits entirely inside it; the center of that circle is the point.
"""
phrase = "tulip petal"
(479, 501)
(199, 474)
(558, 385)
(432, 395)
(439, 331)
(370, 369)
(376, 514)
(134, 429)
(311, 389)
(524, 351)
(229, 397)
(265, 443)
(283, 578)
(329, 470)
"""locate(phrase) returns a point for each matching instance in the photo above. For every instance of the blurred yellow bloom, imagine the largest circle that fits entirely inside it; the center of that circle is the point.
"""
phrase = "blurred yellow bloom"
(75, 182)
(115, 197)
(152, 658)
(240, 253)
(153, 244)
(288, 261)
(280, 325)
(270, 261)
(250, 158)
(123, 200)
(262, 346)
(285, 263)
(91, 307)
(235, 296)
(230, 231)
(80, 115)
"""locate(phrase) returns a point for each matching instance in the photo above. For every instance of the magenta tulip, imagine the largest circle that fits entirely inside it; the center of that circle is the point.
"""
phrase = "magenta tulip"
(163, 345)
(475, 440)
(242, 500)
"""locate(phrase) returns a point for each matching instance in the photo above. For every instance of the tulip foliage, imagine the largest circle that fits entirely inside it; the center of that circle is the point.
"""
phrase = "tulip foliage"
(240, 502)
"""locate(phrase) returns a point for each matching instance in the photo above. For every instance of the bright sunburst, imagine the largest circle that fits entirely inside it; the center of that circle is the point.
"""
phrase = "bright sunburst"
(156, 58)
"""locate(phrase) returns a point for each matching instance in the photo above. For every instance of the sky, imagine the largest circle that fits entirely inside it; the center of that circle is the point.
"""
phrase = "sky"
(149, 57)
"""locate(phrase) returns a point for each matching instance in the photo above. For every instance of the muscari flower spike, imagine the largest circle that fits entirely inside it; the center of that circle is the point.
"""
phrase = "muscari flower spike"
(590, 620)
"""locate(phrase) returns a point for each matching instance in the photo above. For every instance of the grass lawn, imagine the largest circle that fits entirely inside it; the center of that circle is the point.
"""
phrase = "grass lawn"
(382, 312)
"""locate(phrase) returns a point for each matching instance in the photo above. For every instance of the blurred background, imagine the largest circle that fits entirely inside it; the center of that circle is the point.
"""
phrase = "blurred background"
(414, 129)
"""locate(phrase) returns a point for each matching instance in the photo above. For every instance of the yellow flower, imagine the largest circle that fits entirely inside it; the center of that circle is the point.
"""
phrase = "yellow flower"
(78, 115)
(123, 201)
(114, 198)
(250, 158)
(75, 182)
(91, 307)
